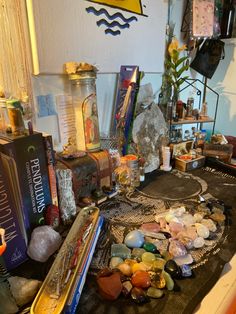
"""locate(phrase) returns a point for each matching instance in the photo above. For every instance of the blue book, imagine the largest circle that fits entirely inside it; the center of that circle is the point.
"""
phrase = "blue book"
(15, 253)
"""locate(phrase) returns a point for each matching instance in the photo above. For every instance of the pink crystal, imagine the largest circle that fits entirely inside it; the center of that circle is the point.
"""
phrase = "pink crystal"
(151, 227)
(176, 227)
(176, 248)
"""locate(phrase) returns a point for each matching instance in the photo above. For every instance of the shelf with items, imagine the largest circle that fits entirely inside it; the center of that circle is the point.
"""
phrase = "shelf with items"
(195, 116)
(192, 121)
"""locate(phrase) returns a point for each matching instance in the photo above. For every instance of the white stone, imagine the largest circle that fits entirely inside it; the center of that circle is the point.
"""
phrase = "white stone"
(178, 212)
(209, 224)
(202, 231)
(184, 260)
(23, 290)
(44, 242)
(198, 242)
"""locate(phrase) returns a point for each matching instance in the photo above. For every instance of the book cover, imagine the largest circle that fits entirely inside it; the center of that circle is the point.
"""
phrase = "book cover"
(29, 155)
(50, 160)
(15, 253)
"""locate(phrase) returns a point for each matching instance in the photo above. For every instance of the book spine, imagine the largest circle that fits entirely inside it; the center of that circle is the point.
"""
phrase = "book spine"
(29, 155)
(15, 253)
(50, 160)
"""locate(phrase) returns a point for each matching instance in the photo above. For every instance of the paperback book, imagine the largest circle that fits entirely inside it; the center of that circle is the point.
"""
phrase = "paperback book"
(27, 153)
(15, 253)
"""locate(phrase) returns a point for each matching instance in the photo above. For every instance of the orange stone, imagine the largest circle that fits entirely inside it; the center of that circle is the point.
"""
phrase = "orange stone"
(141, 279)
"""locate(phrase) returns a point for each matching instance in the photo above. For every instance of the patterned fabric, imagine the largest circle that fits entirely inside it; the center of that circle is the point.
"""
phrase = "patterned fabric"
(124, 214)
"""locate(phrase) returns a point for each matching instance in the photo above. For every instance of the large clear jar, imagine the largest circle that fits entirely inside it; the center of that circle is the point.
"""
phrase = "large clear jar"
(83, 88)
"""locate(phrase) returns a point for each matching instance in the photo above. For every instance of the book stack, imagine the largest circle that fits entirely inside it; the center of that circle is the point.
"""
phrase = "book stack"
(25, 180)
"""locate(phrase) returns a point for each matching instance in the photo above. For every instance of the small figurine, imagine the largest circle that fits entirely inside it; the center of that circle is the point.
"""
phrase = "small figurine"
(204, 111)
(70, 149)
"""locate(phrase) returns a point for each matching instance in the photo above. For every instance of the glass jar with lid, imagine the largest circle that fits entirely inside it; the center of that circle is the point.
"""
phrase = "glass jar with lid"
(83, 89)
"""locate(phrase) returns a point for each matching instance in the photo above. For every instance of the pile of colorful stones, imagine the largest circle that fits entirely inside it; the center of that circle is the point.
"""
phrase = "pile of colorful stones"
(152, 257)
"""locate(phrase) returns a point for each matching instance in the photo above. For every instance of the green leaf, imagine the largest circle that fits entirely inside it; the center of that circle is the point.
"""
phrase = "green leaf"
(170, 64)
(181, 60)
(184, 68)
(181, 80)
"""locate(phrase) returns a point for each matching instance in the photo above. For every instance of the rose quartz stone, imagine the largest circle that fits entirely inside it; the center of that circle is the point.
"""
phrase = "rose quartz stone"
(151, 227)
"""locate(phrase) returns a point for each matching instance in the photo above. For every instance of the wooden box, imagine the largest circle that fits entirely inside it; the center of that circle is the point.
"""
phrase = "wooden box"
(186, 164)
(222, 151)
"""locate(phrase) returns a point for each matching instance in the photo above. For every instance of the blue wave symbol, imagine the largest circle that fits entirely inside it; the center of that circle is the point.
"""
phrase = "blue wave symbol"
(112, 18)
(111, 32)
(113, 24)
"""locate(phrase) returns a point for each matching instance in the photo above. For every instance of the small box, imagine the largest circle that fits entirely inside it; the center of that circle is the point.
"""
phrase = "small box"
(180, 148)
(187, 164)
(222, 151)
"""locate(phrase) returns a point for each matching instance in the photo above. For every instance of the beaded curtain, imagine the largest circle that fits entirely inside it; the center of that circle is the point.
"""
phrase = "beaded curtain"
(15, 54)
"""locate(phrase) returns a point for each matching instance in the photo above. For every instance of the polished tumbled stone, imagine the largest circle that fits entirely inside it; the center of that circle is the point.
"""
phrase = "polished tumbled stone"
(115, 261)
(186, 270)
(120, 250)
(150, 247)
(134, 239)
(154, 293)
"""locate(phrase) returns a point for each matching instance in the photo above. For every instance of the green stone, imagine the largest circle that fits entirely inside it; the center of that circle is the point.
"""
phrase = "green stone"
(169, 281)
(154, 293)
(120, 250)
(150, 247)
(148, 257)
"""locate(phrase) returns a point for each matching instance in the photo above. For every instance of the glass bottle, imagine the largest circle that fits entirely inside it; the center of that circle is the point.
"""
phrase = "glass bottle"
(133, 164)
(189, 108)
(15, 114)
(227, 21)
(122, 174)
(84, 98)
(4, 121)
(204, 111)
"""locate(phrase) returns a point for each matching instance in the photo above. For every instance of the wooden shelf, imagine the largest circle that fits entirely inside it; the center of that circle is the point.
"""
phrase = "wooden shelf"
(192, 121)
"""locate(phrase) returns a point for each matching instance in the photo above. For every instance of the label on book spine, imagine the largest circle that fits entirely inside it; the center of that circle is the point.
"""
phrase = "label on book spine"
(50, 160)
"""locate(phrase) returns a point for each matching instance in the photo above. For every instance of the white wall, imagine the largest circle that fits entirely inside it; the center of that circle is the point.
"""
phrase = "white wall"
(223, 82)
